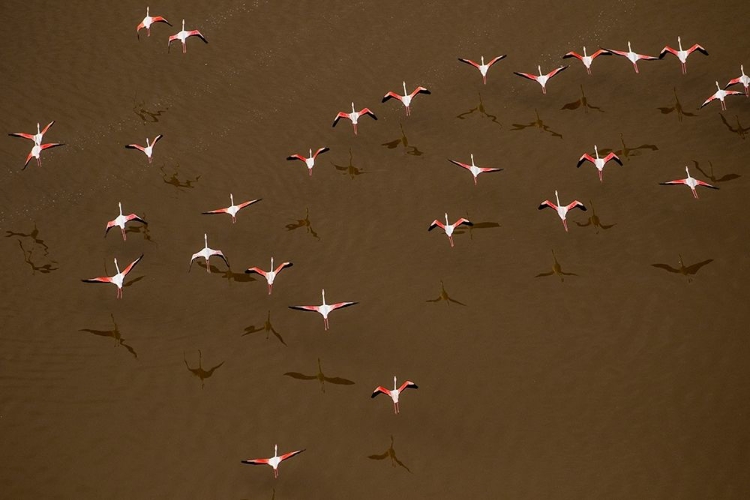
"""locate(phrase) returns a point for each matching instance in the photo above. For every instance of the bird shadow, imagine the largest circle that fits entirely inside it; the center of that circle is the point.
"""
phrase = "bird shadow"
(739, 129)
(349, 169)
(445, 297)
(686, 271)
(390, 453)
(43, 268)
(175, 180)
(556, 270)
(320, 377)
(475, 225)
(677, 107)
(140, 229)
(583, 103)
(712, 177)
(304, 223)
(481, 110)
(228, 274)
(115, 334)
(594, 220)
(539, 124)
(34, 235)
(402, 141)
(267, 327)
(199, 371)
(144, 114)
(626, 152)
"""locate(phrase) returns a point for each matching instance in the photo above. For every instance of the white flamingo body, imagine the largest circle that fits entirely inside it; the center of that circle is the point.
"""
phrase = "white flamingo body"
(586, 59)
(448, 227)
(206, 253)
(720, 95)
(483, 68)
(354, 116)
(274, 461)
(310, 160)
(406, 98)
(183, 35)
(232, 209)
(118, 279)
(562, 210)
(475, 170)
(598, 162)
(121, 220)
(270, 275)
(36, 152)
(743, 79)
(395, 393)
(633, 57)
(682, 55)
(540, 78)
(324, 309)
(147, 22)
(690, 182)
(38, 137)
(148, 149)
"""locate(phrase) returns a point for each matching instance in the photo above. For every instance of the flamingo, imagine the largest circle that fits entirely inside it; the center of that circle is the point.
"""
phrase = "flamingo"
(406, 98)
(587, 59)
(148, 150)
(118, 278)
(309, 161)
(37, 138)
(541, 79)
(562, 210)
(147, 22)
(475, 171)
(483, 68)
(232, 209)
(689, 182)
(394, 394)
(206, 253)
(121, 220)
(632, 56)
(274, 461)
(36, 152)
(720, 95)
(354, 116)
(324, 309)
(183, 35)
(598, 162)
(449, 228)
(682, 55)
(743, 79)
(269, 275)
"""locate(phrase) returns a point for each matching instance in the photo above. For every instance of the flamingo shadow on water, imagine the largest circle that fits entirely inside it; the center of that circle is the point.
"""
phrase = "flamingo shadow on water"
(538, 123)
(145, 115)
(481, 110)
(686, 271)
(556, 270)
(712, 177)
(228, 274)
(390, 453)
(676, 107)
(115, 334)
(141, 229)
(27, 257)
(320, 377)
(402, 141)
(625, 153)
(175, 180)
(304, 223)
(445, 297)
(594, 220)
(34, 235)
(349, 169)
(476, 225)
(267, 327)
(199, 371)
(583, 103)
(739, 129)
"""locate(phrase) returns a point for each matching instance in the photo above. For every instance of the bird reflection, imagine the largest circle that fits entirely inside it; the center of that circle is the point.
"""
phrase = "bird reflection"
(476, 225)
(444, 296)
(303, 223)
(594, 220)
(410, 150)
(538, 123)
(320, 376)
(625, 153)
(739, 130)
(390, 452)
(34, 235)
(44, 269)
(712, 177)
(683, 270)
(175, 180)
(115, 334)
(145, 115)
(140, 229)
(200, 372)
(350, 169)
(556, 270)
(582, 102)
(267, 327)
(479, 109)
(677, 107)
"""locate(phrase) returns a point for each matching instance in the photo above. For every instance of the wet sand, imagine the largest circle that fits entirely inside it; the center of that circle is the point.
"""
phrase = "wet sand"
(622, 380)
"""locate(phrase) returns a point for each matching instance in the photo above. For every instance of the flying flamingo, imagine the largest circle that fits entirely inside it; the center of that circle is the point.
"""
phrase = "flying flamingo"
(232, 209)
(562, 210)
(598, 162)
(274, 461)
(148, 150)
(475, 171)
(310, 161)
(483, 68)
(36, 152)
(449, 228)
(682, 55)
(354, 116)
(541, 79)
(720, 95)
(587, 59)
(632, 56)
(37, 138)
(118, 278)
(121, 220)
(183, 35)
(394, 394)
(269, 275)
(324, 309)
(689, 182)
(206, 253)
(406, 98)
(743, 79)
(147, 22)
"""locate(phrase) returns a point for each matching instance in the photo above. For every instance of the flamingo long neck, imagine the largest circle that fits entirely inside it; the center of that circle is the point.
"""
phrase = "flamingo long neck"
(119, 204)
(310, 152)
(324, 296)
(687, 171)
(183, 25)
(352, 107)
(717, 86)
(205, 239)
(540, 70)
(271, 263)
(629, 49)
(742, 69)
(38, 130)
(275, 451)
(117, 267)
(584, 52)
(231, 199)
(679, 43)
(557, 198)
(596, 152)
(446, 219)
(482, 60)
(147, 14)
(395, 386)
(404, 87)
(148, 144)
(472, 160)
